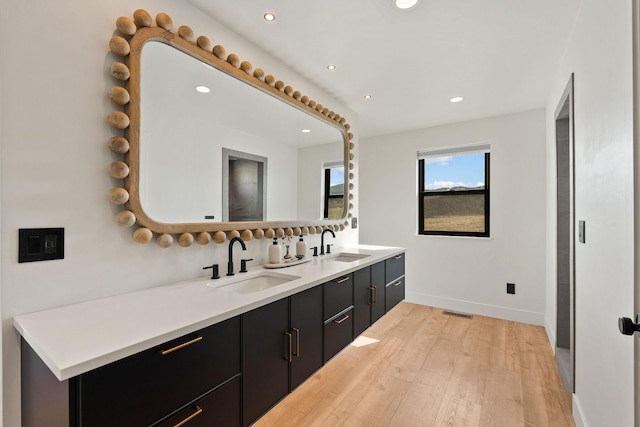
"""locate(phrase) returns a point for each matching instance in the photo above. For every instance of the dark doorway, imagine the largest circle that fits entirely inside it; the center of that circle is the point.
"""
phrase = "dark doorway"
(565, 239)
(244, 186)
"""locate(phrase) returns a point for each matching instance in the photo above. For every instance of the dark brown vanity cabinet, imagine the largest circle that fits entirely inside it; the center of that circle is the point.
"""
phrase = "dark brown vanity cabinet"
(368, 297)
(144, 388)
(338, 315)
(394, 278)
(199, 372)
(282, 346)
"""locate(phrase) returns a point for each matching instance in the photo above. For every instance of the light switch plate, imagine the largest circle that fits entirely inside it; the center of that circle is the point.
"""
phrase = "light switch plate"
(354, 222)
(581, 230)
(40, 244)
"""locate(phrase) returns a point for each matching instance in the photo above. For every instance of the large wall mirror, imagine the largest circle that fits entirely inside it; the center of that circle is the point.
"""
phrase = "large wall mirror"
(187, 106)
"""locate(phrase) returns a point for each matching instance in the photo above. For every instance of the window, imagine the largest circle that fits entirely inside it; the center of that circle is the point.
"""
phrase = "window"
(333, 190)
(454, 191)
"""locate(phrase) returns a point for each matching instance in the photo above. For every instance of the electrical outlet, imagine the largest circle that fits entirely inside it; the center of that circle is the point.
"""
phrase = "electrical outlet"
(511, 288)
(354, 222)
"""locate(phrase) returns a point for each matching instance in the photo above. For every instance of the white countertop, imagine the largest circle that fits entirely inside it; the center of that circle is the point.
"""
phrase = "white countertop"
(77, 338)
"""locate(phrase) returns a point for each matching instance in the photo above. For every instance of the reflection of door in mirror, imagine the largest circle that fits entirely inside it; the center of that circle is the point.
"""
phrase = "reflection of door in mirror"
(333, 190)
(244, 186)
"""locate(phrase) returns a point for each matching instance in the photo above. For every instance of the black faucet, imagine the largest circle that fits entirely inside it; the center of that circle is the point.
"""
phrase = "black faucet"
(322, 240)
(230, 263)
(214, 273)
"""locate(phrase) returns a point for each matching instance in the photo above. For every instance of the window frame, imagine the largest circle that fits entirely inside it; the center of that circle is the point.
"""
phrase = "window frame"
(327, 189)
(422, 193)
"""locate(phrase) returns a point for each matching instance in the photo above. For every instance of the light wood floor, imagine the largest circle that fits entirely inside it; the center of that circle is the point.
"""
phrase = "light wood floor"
(431, 369)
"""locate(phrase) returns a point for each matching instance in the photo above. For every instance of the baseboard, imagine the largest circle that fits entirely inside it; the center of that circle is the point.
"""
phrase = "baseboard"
(505, 313)
(551, 336)
(578, 413)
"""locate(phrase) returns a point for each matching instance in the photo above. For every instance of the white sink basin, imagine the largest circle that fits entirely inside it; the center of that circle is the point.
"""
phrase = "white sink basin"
(346, 257)
(249, 283)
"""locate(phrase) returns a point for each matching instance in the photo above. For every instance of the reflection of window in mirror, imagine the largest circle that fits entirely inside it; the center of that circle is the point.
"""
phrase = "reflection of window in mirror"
(333, 190)
(244, 186)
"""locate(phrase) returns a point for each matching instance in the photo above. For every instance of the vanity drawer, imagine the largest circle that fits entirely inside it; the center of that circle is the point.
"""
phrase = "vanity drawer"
(221, 408)
(338, 333)
(394, 267)
(338, 295)
(147, 386)
(394, 293)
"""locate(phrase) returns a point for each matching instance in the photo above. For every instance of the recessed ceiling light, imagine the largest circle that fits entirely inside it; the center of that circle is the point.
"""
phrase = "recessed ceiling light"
(456, 99)
(331, 67)
(367, 97)
(203, 89)
(269, 17)
(306, 130)
(405, 4)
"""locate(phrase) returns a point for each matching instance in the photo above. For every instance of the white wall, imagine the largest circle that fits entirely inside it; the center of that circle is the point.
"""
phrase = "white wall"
(463, 273)
(311, 161)
(54, 81)
(600, 55)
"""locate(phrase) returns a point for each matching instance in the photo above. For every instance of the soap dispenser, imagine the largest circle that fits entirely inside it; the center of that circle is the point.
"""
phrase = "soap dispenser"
(301, 248)
(275, 252)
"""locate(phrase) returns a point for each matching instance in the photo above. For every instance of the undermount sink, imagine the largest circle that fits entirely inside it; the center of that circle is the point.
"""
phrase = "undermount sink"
(249, 283)
(346, 257)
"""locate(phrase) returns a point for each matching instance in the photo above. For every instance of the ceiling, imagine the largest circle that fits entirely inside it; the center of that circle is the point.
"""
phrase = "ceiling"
(500, 55)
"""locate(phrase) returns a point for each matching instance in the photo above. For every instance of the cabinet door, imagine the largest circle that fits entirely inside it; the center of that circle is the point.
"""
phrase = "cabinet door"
(362, 300)
(220, 408)
(338, 295)
(306, 327)
(265, 358)
(378, 284)
(143, 388)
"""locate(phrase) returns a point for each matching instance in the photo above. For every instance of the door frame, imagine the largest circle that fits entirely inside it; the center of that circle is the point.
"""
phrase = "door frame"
(564, 108)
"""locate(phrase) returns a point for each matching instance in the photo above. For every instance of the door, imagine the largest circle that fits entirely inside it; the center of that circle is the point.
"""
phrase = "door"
(630, 326)
(636, 168)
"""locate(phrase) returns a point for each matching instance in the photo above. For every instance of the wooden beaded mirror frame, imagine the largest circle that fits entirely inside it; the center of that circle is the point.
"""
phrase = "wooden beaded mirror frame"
(133, 34)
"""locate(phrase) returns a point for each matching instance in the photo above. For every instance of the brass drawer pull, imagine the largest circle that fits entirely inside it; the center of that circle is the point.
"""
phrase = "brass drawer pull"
(342, 280)
(297, 331)
(346, 316)
(398, 283)
(374, 295)
(178, 347)
(289, 357)
(190, 417)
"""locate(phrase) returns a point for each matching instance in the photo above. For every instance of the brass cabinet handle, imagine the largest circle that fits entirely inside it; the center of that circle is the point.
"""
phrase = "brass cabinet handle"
(346, 316)
(178, 347)
(190, 417)
(342, 280)
(297, 331)
(374, 295)
(398, 283)
(289, 357)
